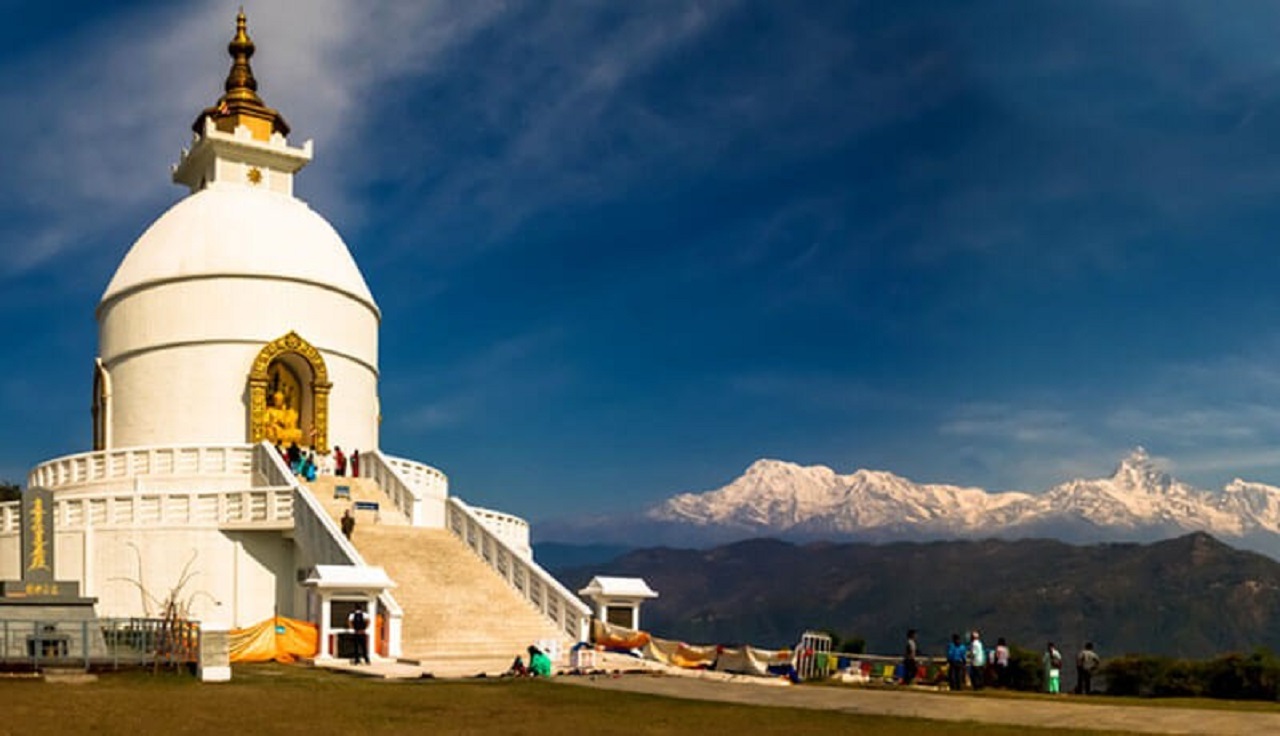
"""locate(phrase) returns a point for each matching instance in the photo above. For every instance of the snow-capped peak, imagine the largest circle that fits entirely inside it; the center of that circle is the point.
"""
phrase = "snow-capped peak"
(1138, 473)
(1138, 501)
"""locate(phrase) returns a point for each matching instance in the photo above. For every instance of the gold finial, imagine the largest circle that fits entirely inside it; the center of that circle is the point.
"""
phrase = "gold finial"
(240, 103)
(240, 83)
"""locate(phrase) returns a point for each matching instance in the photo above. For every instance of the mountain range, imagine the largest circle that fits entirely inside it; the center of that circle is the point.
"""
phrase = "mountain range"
(1138, 502)
(1191, 596)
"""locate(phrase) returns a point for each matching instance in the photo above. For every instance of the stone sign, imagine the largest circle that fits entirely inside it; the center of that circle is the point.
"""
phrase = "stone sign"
(37, 580)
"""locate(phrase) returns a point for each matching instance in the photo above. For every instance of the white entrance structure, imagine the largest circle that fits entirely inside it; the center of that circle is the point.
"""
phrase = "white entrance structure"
(618, 600)
(238, 325)
(336, 590)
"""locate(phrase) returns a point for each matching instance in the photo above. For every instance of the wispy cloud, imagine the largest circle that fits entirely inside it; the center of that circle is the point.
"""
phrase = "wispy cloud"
(105, 111)
(1011, 424)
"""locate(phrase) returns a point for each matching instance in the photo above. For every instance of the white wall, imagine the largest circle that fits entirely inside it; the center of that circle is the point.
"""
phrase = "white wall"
(237, 578)
(179, 355)
(11, 556)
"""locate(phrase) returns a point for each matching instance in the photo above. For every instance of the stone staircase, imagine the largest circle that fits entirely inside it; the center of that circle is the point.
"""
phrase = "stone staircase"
(358, 489)
(460, 616)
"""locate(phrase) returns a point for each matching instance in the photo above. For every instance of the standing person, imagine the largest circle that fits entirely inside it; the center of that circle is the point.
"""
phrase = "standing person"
(358, 622)
(355, 463)
(348, 523)
(956, 654)
(1002, 663)
(294, 454)
(1087, 662)
(339, 462)
(909, 658)
(1052, 669)
(977, 660)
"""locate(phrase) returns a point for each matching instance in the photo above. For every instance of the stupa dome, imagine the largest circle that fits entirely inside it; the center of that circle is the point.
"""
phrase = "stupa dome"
(230, 231)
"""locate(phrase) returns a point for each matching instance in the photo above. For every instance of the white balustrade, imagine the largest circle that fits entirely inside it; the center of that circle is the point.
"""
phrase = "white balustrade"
(419, 475)
(511, 528)
(169, 462)
(536, 585)
(256, 508)
(417, 490)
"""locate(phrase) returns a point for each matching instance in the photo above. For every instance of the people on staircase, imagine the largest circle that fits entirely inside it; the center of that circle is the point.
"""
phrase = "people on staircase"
(309, 467)
(294, 453)
(348, 523)
(339, 462)
(355, 463)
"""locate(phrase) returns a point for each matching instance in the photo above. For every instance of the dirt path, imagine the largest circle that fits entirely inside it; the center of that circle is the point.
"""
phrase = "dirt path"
(944, 706)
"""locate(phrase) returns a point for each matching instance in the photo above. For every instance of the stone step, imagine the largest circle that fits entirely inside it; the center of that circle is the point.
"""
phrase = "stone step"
(324, 488)
(456, 607)
(460, 616)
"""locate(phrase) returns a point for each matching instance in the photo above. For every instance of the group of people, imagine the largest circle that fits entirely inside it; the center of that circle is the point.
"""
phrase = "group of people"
(305, 464)
(984, 666)
(1087, 664)
(539, 665)
(974, 659)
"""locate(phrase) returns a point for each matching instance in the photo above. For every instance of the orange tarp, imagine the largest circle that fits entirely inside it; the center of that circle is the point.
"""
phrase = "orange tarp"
(616, 637)
(280, 639)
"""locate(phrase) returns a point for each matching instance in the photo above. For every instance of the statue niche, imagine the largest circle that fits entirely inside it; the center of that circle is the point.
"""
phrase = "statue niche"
(280, 419)
(289, 394)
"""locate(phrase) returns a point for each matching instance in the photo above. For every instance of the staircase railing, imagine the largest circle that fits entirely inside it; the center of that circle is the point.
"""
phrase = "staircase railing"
(418, 490)
(536, 585)
(317, 532)
(511, 528)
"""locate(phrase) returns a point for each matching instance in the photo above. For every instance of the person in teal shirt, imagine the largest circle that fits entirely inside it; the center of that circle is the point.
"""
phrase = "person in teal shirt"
(539, 663)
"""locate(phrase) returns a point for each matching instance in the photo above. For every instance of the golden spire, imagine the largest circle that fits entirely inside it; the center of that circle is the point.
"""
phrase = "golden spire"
(240, 103)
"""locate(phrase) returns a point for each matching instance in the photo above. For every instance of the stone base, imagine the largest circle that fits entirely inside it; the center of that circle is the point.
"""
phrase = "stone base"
(215, 654)
(61, 590)
(50, 629)
(215, 674)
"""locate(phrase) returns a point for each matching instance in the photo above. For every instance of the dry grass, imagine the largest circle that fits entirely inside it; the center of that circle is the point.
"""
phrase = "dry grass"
(273, 699)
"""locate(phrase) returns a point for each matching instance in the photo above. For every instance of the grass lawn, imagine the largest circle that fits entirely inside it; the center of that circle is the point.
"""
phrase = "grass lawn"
(287, 699)
(277, 699)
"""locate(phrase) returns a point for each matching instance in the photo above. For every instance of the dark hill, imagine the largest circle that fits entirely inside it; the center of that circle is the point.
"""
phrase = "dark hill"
(1191, 596)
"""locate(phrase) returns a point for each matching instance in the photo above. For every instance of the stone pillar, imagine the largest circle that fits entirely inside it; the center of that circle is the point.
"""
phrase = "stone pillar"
(215, 653)
(325, 651)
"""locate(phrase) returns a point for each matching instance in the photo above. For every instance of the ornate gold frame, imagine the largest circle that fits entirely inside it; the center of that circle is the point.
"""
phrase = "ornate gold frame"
(320, 386)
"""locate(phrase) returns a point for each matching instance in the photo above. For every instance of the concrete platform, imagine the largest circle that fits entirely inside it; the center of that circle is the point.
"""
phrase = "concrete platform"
(1064, 712)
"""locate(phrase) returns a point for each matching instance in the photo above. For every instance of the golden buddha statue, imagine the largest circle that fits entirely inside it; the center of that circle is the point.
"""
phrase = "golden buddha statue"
(279, 422)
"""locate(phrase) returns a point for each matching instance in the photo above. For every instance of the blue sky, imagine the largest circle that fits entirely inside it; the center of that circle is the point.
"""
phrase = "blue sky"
(624, 249)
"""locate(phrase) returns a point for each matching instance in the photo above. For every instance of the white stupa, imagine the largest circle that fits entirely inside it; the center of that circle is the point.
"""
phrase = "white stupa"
(237, 325)
(221, 281)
